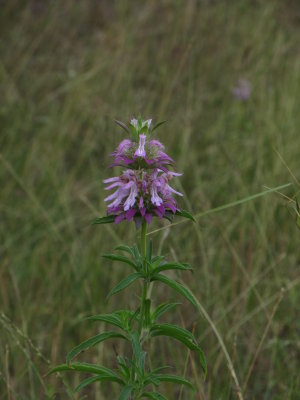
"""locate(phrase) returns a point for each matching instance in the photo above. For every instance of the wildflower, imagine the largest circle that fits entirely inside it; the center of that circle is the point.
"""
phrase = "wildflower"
(141, 194)
(142, 190)
(243, 90)
(141, 152)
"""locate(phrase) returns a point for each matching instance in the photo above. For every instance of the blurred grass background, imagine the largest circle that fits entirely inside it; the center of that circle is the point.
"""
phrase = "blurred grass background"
(67, 70)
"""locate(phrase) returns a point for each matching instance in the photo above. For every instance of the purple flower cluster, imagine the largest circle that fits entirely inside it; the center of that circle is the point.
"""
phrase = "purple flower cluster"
(147, 154)
(142, 190)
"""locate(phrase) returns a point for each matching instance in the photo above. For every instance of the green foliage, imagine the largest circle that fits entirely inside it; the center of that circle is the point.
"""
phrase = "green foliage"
(122, 319)
(183, 336)
(122, 259)
(104, 220)
(161, 309)
(87, 344)
(178, 287)
(125, 283)
(185, 214)
(157, 125)
(139, 326)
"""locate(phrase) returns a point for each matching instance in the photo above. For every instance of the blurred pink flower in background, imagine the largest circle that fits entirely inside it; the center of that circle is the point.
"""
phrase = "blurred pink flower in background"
(242, 91)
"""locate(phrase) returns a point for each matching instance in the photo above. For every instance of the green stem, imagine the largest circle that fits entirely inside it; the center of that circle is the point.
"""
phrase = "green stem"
(143, 240)
(145, 290)
(146, 284)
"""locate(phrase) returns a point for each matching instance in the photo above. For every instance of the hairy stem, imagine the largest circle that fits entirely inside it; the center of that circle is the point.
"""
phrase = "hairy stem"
(145, 284)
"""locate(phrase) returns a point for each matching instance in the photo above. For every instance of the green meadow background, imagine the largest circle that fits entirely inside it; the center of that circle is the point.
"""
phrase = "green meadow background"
(67, 70)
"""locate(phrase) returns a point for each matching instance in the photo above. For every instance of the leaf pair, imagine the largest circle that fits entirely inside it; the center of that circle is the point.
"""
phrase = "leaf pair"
(111, 218)
(101, 373)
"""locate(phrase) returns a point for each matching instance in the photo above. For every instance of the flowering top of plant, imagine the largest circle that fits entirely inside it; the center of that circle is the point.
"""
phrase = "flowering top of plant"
(141, 152)
(142, 190)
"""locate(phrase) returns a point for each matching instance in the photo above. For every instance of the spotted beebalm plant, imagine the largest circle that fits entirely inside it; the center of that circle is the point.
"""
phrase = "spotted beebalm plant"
(140, 193)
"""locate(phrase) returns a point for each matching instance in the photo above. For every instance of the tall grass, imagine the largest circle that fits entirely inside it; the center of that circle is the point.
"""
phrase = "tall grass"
(67, 70)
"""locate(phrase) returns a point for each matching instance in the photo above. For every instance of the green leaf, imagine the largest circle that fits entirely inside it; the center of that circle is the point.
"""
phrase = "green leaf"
(144, 129)
(137, 351)
(134, 133)
(93, 379)
(140, 122)
(178, 287)
(115, 257)
(124, 368)
(122, 125)
(136, 252)
(125, 283)
(181, 335)
(154, 396)
(177, 266)
(113, 319)
(173, 331)
(123, 247)
(161, 309)
(104, 220)
(157, 260)
(92, 342)
(85, 367)
(185, 214)
(126, 392)
(157, 125)
(174, 379)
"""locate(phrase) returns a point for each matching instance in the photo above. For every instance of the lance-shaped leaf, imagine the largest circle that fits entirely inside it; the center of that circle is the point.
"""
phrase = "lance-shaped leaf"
(185, 214)
(104, 220)
(161, 309)
(125, 283)
(123, 259)
(172, 331)
(157, 260)
(178, 287)
(137, 351)
(136, 252)
(126, 248)
(124, 369)
(126, 392)
(122, 125)
(157, 125)
(134, 133)
(87, 367)
(176, 266)
(113, 319)
(101, 378)
(183, 336)
(174, 379)
(154, 396)
(92, 342)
